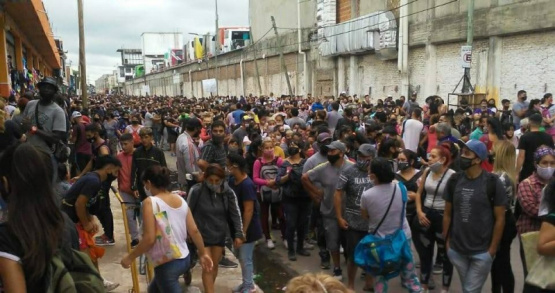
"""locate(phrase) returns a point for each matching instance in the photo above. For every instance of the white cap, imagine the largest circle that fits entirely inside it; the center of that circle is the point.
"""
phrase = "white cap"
(75, 114)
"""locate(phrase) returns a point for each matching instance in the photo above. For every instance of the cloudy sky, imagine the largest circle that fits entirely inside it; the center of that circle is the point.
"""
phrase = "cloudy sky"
(115, 24)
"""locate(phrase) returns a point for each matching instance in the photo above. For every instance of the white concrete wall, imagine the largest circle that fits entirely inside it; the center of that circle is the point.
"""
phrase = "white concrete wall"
(528, 63)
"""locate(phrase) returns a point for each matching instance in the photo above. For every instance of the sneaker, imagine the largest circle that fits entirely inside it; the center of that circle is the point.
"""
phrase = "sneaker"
(226, 263)
(308, 246)
(270, 244)
(431, 283)
(311, 241)
(338, 274)
(134, 243)
(341, 249)
(237, 289)
(303, 252)
(285, 244)
(249, 290)
(104, 241)
(109, 286)
(438, 268)
(291, 255)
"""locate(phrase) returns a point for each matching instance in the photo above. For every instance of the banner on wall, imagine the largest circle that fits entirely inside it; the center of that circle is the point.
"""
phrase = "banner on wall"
(209, 86)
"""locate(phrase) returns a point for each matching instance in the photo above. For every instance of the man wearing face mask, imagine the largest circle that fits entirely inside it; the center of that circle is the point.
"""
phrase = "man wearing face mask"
(213, 152)
(519, 108)
(474, 217)
(83, 150)
(43, 120)
(353, 181)
(326, 175)
(83, 197)
(246, 125)
(145, 155)
(99, 147)
(188, 153)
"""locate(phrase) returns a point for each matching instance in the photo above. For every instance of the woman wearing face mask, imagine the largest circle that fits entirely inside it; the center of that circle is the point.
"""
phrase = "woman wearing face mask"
(409, 176)
(430, 207)
(112, 133)
(212, 203)
(296, 201)
(156, 180)
(530, 190)
(268, 185)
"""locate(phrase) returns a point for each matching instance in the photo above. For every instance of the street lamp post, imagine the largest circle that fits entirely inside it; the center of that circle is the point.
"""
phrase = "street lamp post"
(82, 59)
(217, 51)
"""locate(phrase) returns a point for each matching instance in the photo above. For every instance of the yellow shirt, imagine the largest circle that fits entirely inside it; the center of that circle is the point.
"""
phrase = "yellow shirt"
(278, 152)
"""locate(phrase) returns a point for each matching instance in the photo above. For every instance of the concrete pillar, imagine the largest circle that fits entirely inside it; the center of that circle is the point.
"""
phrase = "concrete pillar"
(18, 53)
(353, 76)
(494, 68)
(341, 86)
(430, 81)
(4, 81)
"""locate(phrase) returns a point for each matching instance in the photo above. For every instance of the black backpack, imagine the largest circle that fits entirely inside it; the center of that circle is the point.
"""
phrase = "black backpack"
(295, 186)
(490, 185)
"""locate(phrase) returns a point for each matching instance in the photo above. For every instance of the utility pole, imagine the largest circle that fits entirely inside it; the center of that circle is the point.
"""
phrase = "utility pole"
(469, 40)
(256, 67)
(217, 51)
(283, 67)
(204, 45)
(82, 59)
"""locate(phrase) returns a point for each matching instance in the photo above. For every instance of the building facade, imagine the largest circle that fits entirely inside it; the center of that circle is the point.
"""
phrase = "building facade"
(380, 48)
(28, 51)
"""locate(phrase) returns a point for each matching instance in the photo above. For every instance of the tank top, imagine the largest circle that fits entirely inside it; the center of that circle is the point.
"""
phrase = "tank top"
(177, 219)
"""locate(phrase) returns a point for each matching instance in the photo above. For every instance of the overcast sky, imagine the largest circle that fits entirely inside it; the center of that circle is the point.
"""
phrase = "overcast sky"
(115, 24)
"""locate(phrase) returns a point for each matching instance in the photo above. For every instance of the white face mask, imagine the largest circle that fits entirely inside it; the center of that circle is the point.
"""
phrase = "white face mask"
(545, 173)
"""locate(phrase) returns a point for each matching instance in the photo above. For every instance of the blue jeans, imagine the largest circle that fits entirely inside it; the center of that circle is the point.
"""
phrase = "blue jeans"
(166, 276)
(247, 266)
(473, 269)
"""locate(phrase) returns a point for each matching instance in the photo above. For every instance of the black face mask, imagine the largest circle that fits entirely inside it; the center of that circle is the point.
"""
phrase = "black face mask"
(324, 150)
(333, 159)
(217, 139)
(135, 122)
(91, 140)
(403, 166)
(96, 119)
(465, 163)
(524, 98)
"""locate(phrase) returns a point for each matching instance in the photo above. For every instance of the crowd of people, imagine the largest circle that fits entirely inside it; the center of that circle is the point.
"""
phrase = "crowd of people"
(326, 172)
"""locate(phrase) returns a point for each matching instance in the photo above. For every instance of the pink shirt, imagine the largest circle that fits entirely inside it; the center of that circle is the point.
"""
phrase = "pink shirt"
(256, 170)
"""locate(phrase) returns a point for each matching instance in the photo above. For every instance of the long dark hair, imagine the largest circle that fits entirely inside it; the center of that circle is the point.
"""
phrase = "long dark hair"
(33, 216)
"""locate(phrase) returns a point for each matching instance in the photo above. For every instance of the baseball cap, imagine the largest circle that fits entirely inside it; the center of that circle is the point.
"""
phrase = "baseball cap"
(477, 147)
(367, 150)
(75, 114)
(337, 145)
(323, 137)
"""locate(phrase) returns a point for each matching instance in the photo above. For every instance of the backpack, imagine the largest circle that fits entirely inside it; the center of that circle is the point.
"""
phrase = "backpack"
(136, 136)
(74, 273)
(385, 256)
(269, 171)
(295, 184)
(490, 185)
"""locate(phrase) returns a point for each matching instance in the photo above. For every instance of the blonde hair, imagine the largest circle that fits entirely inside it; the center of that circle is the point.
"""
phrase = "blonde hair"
(505, 159)
(316, 283)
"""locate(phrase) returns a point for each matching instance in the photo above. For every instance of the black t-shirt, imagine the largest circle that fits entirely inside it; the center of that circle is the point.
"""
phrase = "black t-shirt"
(529, 142)
(10, 135)
(246, 190)
(89, 185)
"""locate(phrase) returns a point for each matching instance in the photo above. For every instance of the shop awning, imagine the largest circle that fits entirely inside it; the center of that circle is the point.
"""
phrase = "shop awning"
(31, 18)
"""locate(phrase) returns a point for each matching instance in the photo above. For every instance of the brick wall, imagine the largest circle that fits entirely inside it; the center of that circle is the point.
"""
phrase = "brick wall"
(343, 10)
(528, 63)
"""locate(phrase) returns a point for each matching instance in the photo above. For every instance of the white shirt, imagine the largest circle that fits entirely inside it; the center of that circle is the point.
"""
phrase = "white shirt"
(177, 220)
(411, 134)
